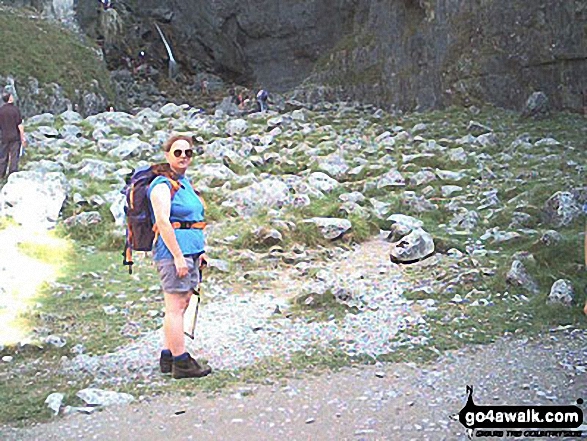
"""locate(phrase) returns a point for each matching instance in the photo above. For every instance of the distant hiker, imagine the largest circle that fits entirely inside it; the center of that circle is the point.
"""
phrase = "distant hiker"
(240, 100)
(244, 101)
(106, 4)
(141, 63)
(178, 252)
(12, 135)
(234, 99)
(262, 96)
(204, 86)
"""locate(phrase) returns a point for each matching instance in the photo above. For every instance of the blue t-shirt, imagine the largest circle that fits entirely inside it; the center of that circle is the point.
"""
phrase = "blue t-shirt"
(186, 206)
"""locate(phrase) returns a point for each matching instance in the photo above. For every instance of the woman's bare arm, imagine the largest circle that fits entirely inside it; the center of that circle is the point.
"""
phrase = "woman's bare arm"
(161, 202)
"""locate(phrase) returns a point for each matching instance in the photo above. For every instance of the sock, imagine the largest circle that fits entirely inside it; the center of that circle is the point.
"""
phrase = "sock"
(165, 353)
(182, 357)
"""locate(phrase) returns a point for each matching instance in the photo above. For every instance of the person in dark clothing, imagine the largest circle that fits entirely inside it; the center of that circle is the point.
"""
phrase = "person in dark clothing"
(262, 97)
(106, 4)
(12, 135)
(140, 63)
(233, 96)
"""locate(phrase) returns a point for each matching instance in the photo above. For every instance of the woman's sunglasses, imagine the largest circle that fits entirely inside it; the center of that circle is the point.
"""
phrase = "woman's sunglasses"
(188, 153)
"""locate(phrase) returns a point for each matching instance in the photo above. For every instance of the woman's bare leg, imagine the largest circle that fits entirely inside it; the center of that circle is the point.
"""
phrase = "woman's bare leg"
(175, 306)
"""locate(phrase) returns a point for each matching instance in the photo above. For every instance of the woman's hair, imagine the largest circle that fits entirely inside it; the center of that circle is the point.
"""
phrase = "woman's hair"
(167, 144)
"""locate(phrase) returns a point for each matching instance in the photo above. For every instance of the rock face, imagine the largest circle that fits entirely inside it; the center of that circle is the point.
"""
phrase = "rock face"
(394, 53)
(408, 54)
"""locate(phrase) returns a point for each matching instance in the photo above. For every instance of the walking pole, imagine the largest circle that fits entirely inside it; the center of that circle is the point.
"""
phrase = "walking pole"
(192, 327)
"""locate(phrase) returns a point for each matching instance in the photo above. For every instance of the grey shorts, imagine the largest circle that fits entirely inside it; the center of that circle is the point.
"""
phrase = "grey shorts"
(171, 283)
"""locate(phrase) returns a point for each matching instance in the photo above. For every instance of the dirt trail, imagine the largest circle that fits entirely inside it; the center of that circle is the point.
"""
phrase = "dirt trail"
(21, 277)
(401, 401)
(385, 402)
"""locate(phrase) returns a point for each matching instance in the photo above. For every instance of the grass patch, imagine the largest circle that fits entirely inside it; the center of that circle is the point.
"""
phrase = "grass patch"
(52, 251)
(102, 236)
(100, 281)
(66, 59)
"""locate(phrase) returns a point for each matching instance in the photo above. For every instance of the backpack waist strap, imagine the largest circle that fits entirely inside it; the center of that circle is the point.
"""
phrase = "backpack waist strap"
(188, 225)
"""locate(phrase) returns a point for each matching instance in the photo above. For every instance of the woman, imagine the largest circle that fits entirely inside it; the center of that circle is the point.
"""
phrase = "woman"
(178, 252)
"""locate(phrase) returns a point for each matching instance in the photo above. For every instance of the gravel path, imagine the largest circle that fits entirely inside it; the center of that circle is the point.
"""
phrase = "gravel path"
(384, 402)
(235, 331)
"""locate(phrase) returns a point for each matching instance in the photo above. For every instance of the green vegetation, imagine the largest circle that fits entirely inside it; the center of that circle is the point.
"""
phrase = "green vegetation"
(54, 251)
(489, 308)
(36, 48)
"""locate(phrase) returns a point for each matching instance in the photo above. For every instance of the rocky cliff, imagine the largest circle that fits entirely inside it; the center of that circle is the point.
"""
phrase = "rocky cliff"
(432, 53)
(407, 54)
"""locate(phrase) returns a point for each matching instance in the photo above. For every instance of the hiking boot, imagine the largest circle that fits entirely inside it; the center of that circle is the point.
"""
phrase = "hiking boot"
(189, 368)
(165, 363)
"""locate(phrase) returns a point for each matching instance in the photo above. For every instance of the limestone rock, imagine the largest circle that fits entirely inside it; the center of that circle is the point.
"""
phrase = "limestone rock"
(236, 127)
(476, 128)
(85, 219)
(268, 236)
(413, 247)
(519, 276)
(267, 193)
(32, 197)
(331, 228)
(561, 209)
(537, 106)
(392, 178)
(562, 292)
(323, 182)
(100, 397)
(334, 165)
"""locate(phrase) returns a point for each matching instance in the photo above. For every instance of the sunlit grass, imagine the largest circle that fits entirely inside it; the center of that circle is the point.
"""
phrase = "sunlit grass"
(48, 248)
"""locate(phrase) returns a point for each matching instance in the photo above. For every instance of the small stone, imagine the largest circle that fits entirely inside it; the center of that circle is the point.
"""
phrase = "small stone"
(7, 358)
(380, 374)
(310, 420)
(110, 309)
(56, 341)
(54, 400)
(364, 431)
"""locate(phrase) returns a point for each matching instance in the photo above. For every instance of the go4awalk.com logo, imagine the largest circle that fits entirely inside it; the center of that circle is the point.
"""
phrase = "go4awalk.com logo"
(520, 421)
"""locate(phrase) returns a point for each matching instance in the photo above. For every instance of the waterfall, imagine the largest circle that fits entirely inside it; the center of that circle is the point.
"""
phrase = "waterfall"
(173, 67)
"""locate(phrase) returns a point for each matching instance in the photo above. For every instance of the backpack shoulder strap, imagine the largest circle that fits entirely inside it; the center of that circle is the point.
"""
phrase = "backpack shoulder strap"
(165, 171)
